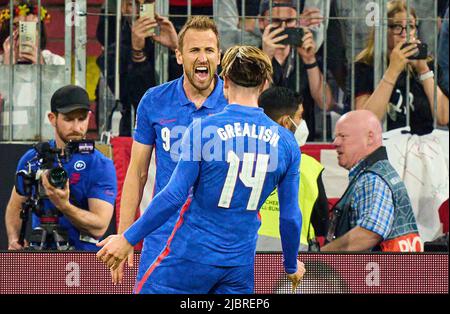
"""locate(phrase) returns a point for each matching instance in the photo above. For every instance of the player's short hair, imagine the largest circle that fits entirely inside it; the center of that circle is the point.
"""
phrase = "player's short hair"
(279, 101)
(247, 66)
(199, 23)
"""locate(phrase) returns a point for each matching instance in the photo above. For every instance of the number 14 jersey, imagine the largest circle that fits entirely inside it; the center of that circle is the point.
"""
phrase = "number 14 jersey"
(233, 160)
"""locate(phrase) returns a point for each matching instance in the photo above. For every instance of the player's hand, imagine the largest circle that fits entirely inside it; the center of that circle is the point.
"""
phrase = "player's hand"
(115, 249)
(58, 197)
(117, 274)
(296, 278)
(271, 39)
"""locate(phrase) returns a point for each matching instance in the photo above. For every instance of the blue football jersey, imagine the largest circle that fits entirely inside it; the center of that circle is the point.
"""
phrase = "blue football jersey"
(233, 160)
(163, 116)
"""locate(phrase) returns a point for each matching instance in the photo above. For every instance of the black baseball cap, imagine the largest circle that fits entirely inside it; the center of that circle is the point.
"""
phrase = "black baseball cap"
(69, 98)
(265, 5)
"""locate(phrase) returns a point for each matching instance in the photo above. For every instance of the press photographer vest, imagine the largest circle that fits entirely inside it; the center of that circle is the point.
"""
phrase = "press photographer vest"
(404, 235)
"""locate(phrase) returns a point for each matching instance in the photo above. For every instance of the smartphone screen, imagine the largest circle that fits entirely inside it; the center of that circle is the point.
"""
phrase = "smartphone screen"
(148, 9)
(27, 36)
(295, 36)
(422, 52)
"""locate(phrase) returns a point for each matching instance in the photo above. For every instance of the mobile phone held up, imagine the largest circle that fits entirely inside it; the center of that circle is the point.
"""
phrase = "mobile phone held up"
(295, 36)
(148, 10)
(422, 52)
(27, 36)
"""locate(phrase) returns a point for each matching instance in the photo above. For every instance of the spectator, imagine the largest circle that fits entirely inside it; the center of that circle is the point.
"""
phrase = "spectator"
(443, 56)
(390, 97)
(285, 107)
(137, 60)
(230, 25)
(284, 15)
(25, 11)
(25, 96)
(87, 200)
(229, 22)
(375, 211)
(364, 10)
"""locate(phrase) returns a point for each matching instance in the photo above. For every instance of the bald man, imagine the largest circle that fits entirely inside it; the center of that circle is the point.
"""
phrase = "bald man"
(375, 211)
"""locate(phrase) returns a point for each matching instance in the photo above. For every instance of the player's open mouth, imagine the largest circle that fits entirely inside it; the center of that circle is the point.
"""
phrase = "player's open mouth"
(202, 73)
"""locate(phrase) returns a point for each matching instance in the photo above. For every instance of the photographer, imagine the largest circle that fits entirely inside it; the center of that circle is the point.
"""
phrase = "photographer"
(87, 200)
(274, 21)
(390, 97)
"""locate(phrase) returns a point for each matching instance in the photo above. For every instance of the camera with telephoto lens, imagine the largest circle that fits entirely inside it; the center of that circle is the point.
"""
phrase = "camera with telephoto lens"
(48, 161)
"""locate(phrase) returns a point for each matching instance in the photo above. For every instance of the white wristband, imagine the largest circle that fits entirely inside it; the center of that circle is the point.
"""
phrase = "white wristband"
(426, 76)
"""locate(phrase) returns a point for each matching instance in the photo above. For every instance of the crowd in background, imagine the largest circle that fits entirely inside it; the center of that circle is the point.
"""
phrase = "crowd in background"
(324, 23)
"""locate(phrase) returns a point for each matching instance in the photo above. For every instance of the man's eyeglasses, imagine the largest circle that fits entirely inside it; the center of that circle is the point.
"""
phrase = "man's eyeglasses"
(397, 29)
(289, 22)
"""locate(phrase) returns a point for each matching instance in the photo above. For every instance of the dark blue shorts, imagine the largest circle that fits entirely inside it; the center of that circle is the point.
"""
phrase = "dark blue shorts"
(169, 274)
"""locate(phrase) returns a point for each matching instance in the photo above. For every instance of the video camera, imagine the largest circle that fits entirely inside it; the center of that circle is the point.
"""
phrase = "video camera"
(48, 161)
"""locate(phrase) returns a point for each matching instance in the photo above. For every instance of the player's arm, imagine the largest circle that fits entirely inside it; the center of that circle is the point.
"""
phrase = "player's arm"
(174, 195)
(134, 184)
(141, 152)
(13, 221)
(290, 215)
(166, 203)
(162, 207)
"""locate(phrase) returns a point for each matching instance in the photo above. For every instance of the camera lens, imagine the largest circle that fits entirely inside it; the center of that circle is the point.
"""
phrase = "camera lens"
(58, 177)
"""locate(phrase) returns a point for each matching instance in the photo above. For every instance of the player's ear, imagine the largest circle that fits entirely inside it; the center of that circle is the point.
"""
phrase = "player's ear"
(179, 56)
(226, 82)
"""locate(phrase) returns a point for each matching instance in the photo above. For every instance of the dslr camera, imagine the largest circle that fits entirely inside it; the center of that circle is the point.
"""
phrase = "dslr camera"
(48, 161)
